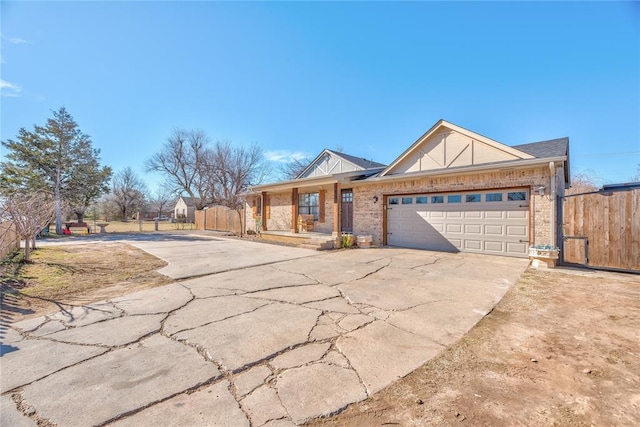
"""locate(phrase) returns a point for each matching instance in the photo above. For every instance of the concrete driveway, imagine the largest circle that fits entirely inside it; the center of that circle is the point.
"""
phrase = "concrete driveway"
(262, 335)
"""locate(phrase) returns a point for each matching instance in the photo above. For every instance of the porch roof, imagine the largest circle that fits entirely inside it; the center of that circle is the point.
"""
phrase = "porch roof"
(343, 178)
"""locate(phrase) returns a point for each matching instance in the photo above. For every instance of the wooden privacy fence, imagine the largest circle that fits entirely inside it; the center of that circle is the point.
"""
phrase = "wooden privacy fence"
(219, 218)
(9, 239)
(602, 229)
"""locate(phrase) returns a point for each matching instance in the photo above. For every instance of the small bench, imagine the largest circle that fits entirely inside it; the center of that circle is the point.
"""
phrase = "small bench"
(306, 223)
(78, 227)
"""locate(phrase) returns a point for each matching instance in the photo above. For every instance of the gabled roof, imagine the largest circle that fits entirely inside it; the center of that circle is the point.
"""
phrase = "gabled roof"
(358, 163)
(189, 201)
(443, 124)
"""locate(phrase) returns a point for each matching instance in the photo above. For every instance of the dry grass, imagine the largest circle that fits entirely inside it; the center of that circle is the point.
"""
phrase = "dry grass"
(78, 274)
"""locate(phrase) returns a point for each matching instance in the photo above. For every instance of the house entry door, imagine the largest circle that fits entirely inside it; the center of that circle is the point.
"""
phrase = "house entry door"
(346, 211)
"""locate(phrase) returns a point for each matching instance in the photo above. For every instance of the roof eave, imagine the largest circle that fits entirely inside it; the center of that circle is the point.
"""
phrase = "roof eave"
(344, 178)
(512, 164)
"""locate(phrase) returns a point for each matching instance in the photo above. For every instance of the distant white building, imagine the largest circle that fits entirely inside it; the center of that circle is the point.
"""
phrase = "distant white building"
(185, 209)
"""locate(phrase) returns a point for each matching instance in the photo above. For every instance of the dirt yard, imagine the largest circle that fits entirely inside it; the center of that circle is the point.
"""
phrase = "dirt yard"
(65, 276)
(561, 349)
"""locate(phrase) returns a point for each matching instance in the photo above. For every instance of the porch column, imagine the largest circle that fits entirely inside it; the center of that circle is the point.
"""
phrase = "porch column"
(336, 209)
(294, 210)
(263, 203)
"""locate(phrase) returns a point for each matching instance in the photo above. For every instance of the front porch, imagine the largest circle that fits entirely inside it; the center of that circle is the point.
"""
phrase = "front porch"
(304, 239)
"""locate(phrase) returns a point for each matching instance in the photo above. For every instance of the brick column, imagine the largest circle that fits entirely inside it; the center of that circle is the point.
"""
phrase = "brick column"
(294, 210)
(264, 202)
(336, 209)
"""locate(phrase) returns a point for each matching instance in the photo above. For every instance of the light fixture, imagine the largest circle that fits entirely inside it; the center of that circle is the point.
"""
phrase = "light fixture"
(541, 190)
(375, 199)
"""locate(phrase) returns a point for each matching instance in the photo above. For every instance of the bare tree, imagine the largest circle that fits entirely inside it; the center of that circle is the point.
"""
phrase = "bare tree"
(184, 160)
(127, 192)
(232, 170)
(161, 199)
(293, 168)
(30, 212)
(581, 183)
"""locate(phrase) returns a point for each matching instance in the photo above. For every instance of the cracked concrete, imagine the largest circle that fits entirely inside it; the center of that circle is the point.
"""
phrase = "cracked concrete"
(250, 335)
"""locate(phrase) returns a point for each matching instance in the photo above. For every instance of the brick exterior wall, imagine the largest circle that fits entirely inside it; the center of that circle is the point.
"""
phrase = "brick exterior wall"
(280, 215)
(368, 215)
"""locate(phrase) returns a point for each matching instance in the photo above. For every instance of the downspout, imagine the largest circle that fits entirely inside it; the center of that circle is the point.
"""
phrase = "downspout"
(552, 192)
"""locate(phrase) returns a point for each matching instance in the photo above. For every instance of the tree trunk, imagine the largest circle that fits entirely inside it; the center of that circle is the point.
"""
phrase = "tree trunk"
(80, 216)
(241, 221)
(58, 202)
(33, 242)
(27, 250)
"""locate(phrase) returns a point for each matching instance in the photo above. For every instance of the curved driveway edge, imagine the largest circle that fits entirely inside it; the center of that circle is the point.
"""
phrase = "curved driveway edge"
(264, 335)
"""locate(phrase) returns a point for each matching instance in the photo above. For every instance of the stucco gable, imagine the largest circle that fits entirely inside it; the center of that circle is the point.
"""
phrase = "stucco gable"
(446, 145)
(331, 162)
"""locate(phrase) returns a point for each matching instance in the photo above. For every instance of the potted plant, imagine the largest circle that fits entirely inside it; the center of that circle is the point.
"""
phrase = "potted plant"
(544, 256)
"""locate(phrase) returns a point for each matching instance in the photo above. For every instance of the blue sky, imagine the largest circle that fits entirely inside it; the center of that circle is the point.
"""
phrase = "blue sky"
(299, 77)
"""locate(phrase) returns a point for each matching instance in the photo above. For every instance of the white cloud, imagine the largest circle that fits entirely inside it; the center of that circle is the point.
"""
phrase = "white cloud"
(9, 89)
(18, 40)
(284, 156)
(15, 40)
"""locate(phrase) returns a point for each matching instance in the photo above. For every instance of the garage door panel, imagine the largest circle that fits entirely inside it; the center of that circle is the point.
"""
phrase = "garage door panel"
(475, 245)
(454, 228)
(457, 243)
(494, 230)
(518, 214)
(517, 247)
(472, 228)
(494, 214)
(493, 246)
(517, 230)
(480, 223)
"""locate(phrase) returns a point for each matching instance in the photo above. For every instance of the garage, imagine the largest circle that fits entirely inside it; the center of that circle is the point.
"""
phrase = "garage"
(489, 222)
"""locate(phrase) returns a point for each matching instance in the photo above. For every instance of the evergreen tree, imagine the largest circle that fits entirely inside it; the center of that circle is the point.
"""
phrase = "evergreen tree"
(59, 158)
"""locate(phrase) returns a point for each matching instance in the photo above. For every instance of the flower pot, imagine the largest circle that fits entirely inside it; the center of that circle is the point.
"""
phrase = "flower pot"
(544, 256)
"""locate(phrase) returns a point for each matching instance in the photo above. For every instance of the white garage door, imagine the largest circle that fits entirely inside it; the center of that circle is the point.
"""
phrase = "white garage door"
(491, 222)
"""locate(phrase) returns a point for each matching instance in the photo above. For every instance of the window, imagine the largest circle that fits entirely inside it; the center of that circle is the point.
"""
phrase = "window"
(308, 205)
(472, 198)
(421, 200)
(347, 197)
(437, 199)
(407, 200)
(394, 200)
(454, 198)
(257, 206)
(516, 195)
(493, 197)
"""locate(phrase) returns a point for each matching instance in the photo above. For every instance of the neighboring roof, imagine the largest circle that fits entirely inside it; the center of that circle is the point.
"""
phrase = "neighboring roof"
(189, 201)
(621, 187)
(545, 149)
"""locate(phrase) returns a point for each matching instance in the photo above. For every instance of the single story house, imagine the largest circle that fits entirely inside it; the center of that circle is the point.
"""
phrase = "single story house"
(451, 190)
(185, 209)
